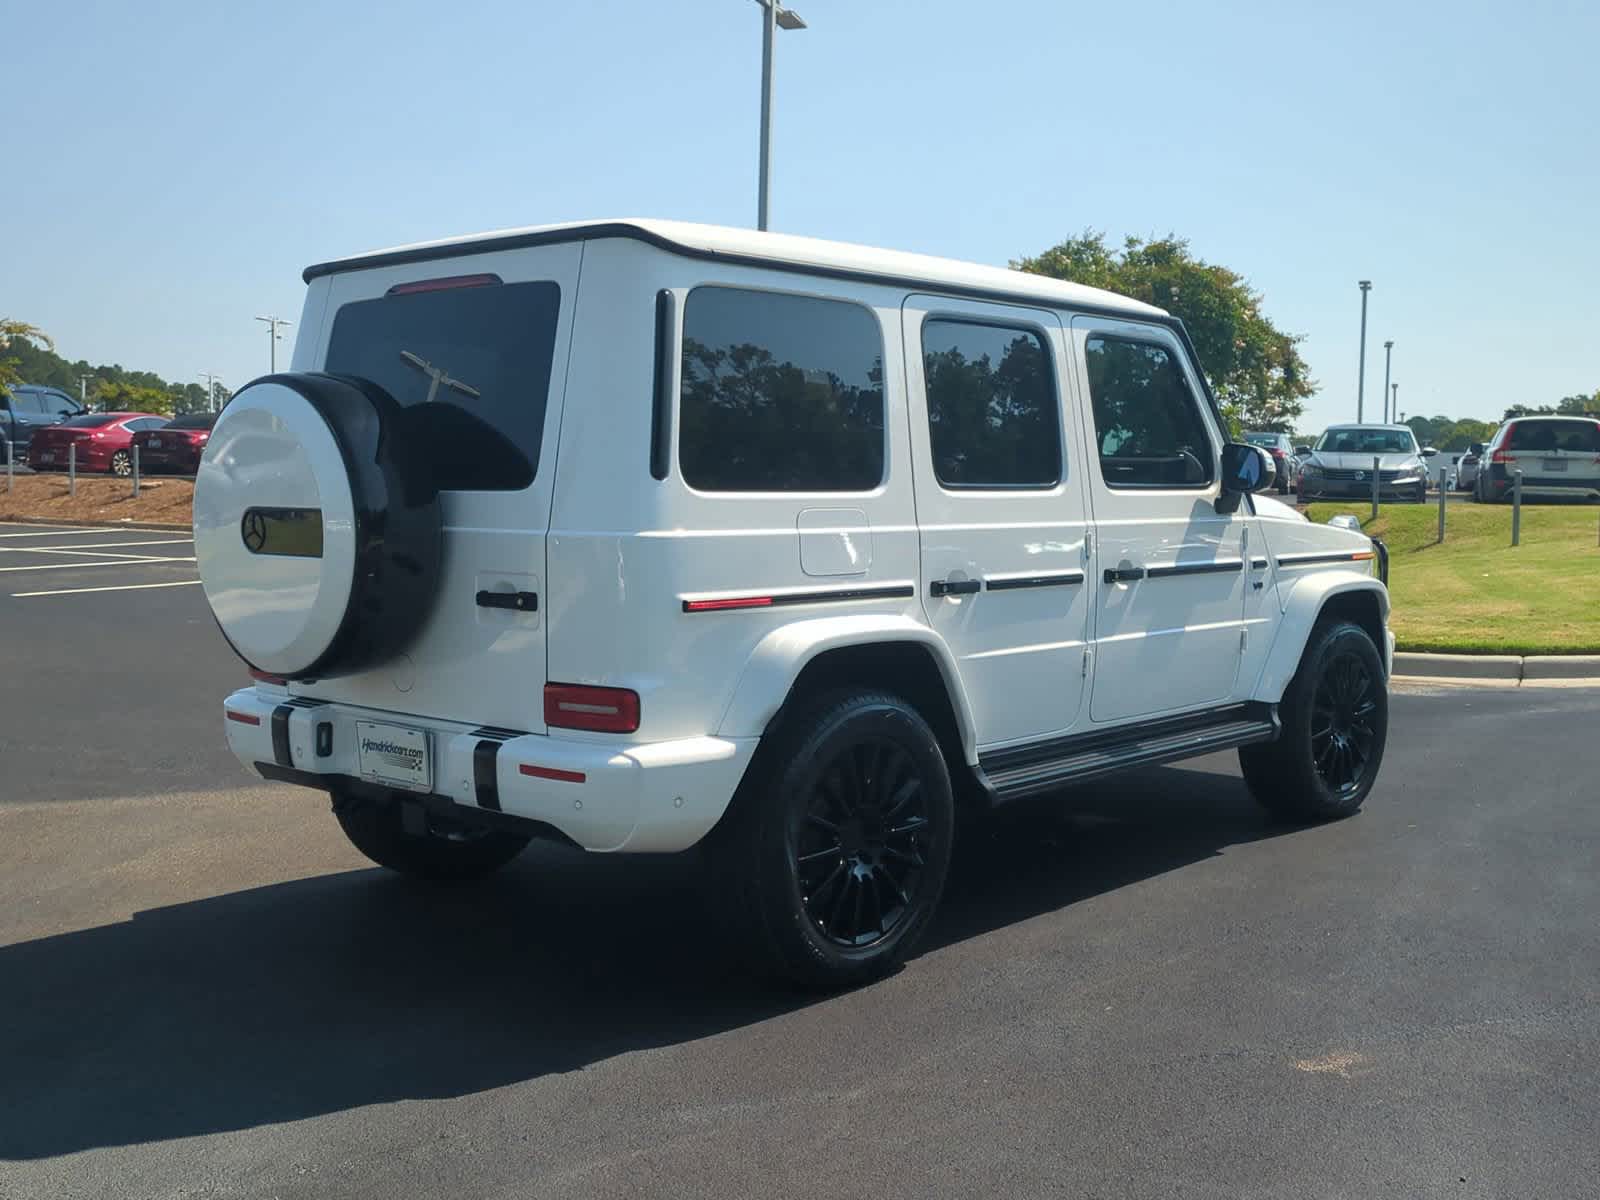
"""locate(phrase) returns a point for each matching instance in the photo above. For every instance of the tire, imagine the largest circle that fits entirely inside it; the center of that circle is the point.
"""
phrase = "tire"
(1309, 775)
(121, 464)
(834, 853)
(375, 828)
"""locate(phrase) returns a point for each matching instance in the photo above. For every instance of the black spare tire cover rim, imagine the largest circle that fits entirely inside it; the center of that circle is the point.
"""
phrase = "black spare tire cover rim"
(379, 579)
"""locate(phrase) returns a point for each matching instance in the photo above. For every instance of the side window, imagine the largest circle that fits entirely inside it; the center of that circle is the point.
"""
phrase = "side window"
(30, 404)
(992, 410)
(780, 393)
(1147, 421)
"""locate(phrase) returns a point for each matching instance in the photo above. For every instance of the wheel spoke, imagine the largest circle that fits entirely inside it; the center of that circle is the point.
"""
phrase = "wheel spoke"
(915, 825)
(908, 791)
(817, 855)
(838, 903)
(823, 823)
(910, 860)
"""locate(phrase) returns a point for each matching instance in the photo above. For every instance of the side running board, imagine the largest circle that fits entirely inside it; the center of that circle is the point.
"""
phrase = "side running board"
(1020, 771)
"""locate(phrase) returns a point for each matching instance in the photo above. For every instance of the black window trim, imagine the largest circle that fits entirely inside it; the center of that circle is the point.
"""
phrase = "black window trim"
(678, 376)
(666, 370)
(1180, 355)
(957, 316)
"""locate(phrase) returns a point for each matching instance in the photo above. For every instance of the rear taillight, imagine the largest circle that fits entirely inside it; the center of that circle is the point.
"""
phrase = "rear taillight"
(597, 709)
(263, 677)
(1501, 456)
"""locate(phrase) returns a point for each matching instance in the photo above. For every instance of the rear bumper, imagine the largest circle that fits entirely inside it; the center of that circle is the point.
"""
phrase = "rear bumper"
(1497, 480)
(651, 797)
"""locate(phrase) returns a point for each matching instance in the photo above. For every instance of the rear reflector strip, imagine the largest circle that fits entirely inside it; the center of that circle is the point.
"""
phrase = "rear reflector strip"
(242, 718)
(598, 709)
(442, 285)
(263, 677)
(893, 591)
(552, 773)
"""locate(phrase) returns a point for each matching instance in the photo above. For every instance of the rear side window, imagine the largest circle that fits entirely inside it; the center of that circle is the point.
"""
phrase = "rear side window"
(992, 410)
(87, 421)
(1582, 436)
(470, 366)
(780, 393)
(1147, 421)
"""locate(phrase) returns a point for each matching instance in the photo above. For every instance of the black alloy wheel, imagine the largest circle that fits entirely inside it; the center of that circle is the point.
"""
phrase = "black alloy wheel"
(1343, 710)
(857, 845)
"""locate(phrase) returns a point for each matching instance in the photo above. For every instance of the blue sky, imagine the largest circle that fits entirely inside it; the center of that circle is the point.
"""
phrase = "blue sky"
(181, 162)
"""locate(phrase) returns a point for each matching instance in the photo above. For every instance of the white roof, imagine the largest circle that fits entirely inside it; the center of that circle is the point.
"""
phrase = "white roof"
(784, 248)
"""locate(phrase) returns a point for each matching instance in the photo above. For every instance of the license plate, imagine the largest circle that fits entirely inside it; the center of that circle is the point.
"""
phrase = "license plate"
(394, 755)
(1555, 464)
(155, 443)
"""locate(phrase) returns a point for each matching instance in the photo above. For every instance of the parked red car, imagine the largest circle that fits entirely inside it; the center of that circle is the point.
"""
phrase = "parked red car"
(176, 446)
(104, 441)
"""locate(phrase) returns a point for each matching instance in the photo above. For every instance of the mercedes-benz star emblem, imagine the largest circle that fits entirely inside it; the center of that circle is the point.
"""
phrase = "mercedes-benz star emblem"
(253, 531)
(1360, 475)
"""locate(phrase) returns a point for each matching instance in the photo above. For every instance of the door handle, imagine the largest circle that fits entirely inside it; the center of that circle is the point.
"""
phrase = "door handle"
(954, 587)
(520, 601)
(1124, 574)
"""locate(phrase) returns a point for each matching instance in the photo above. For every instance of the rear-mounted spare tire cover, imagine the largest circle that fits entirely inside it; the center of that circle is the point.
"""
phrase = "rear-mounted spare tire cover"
(316, 526)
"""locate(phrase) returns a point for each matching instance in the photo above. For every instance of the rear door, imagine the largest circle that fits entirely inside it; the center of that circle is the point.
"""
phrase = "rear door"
(483, 342)
(1555, 453)
(1169, 591)
(1000, 509)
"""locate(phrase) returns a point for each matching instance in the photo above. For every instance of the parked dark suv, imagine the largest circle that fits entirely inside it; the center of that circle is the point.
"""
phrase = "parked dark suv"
(27, 407)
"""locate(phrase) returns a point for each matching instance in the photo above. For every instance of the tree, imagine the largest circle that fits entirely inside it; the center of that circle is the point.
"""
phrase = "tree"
(15, 335)
(127, 397)
(1576, 405)
(1255, 368)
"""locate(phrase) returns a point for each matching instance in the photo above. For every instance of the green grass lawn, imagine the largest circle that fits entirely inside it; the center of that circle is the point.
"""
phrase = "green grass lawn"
(1476, 594)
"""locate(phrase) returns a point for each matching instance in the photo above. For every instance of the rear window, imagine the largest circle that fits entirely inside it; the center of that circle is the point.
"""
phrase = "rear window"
(1582, 436)
(88, 421)
(780, 393)
(193, 421)
(471, 366)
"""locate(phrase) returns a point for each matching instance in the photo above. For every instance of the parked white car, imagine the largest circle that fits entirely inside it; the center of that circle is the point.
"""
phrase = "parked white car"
(646, 535)
(1556, 455)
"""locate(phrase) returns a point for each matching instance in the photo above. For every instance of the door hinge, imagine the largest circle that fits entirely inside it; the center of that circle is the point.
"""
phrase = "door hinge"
(1244, 639)
(1088, 546)
(1086, 653)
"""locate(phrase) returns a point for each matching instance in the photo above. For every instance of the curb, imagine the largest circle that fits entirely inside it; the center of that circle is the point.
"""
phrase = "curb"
(151, 526)
(1511, 669)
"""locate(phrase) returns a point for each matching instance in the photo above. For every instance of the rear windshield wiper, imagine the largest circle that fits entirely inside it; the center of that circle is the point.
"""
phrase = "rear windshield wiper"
(437, 377)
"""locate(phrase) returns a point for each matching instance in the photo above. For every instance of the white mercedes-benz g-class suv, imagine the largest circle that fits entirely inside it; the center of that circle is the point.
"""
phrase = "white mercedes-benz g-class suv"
(646, 536)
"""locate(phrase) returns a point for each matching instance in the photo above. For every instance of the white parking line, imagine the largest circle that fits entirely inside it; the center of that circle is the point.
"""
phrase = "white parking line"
(63, 532)
(80, 552)
(120, 587)
(94, 547)
(110, 562)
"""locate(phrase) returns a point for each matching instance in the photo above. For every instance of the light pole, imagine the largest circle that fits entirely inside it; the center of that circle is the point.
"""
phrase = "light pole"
(1388, 350)
(1394, 393)
(773, 17)
(1361, 379)
(83, 390)
(272, 338)
(212, 379)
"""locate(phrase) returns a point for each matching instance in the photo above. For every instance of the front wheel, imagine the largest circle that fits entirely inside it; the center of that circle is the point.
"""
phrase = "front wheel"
(428, 850)
(1335, 715)
(122, 463)
(836, 849)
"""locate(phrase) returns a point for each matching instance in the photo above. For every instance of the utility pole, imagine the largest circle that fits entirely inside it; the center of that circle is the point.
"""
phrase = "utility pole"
(83, 390)
(773, 17)
(1388, 351)
(1361, 379)
(272, 339)
(1394, 392)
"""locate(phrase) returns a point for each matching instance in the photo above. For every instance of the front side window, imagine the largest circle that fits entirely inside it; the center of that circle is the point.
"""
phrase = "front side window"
(992, 409)
(470, 365)
(1147, 420)
(780, 393)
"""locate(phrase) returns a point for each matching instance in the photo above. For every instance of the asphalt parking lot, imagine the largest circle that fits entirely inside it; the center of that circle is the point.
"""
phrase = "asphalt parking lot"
(1143, 989)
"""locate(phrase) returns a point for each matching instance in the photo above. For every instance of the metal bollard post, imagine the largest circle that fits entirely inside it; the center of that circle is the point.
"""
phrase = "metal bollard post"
(11, 473)
(72, 469)
(1442, 490)
(1516, 506)
(136, 470)
(1375, 461)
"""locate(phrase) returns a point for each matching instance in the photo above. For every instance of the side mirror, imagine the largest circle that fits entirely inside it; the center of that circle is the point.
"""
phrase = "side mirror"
(1302, 451)
(1429, 451)
(1246, 468)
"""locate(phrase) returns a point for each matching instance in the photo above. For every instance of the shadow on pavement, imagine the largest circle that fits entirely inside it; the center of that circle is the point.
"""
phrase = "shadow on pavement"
(323, 994)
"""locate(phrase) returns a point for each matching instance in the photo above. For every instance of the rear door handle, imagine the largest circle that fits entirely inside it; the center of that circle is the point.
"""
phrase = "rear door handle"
(954, 587)
(1124, 574)
(520, 601)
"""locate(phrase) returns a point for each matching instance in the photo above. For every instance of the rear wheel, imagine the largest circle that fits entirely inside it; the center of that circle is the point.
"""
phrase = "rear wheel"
(122, 463)
(430, 849)
(836, 849)
(1335, 716)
